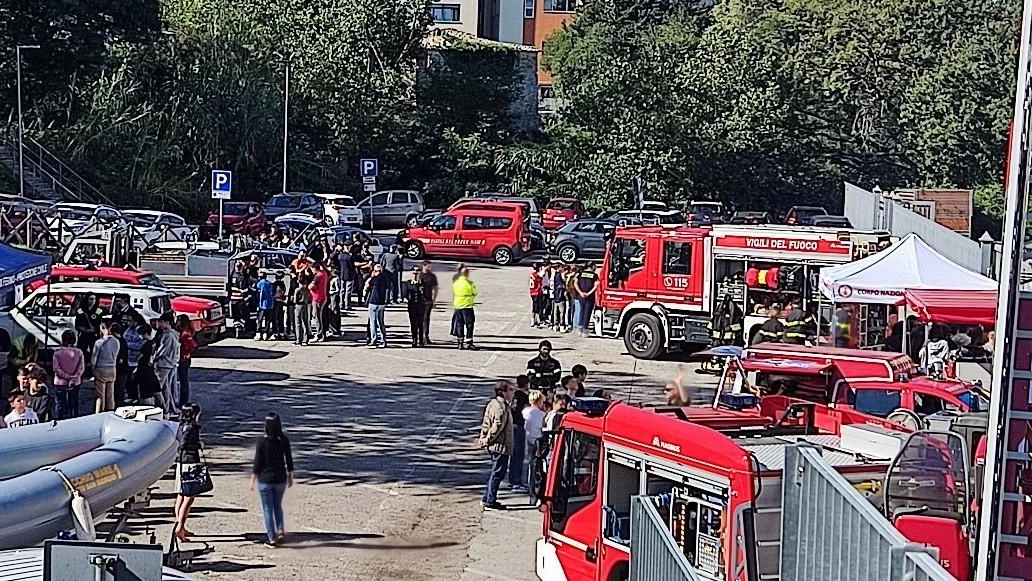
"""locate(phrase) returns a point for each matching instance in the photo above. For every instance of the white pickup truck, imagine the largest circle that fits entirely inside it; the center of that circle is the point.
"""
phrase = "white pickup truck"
(50, 310)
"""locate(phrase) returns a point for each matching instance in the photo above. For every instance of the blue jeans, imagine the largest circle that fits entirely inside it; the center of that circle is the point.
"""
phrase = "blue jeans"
(587, 306)
(519, 435)
(377, 326)
(347, 288)
(578, 306)
(499, 464)
(66, 402)
(272, 507)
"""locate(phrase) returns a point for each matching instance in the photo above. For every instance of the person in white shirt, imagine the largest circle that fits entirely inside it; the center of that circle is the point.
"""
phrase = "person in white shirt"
(534, 423)
(21, 414)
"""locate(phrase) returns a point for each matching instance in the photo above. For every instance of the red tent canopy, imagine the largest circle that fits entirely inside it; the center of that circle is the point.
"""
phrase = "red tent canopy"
(958, 307)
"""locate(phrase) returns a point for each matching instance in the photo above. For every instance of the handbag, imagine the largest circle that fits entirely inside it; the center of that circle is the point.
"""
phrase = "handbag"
(196, 479)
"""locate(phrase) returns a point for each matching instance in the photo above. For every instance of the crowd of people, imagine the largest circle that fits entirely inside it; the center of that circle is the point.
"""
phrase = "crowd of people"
(562, 296)
(519, 415)
(130, 361)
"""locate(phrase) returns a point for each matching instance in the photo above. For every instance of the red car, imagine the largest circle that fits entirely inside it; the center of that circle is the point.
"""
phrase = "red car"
(205, 315)
(559, 211)
(237, 218)
(485, 230)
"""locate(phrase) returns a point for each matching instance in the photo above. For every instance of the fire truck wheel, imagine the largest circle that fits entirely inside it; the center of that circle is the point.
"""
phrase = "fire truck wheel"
(502, 255)
(568, 253)
(414, 250)
(643, 338)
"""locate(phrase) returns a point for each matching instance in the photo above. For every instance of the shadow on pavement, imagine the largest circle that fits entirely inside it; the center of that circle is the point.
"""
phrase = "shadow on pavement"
(238, 352)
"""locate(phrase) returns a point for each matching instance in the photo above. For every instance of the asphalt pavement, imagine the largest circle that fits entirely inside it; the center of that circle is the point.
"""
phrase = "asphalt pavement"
(388, 475)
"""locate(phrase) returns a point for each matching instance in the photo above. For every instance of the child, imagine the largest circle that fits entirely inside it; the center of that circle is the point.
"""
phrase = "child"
(69, 364)
(40, 401)
(21, 414)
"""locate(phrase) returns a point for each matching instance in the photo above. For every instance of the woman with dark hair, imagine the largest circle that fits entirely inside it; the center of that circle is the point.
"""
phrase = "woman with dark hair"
(273, 471)
(189, 456)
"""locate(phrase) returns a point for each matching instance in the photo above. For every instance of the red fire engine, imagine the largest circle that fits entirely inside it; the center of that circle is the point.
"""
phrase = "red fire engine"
(715, 476)
(660, 287)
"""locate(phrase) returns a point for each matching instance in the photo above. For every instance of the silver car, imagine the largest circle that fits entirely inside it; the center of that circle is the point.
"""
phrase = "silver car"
(391, 207)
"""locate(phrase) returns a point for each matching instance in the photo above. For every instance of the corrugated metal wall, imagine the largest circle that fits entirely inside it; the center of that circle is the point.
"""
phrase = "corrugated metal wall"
(830, 531)
(868, 211)
(655, 557)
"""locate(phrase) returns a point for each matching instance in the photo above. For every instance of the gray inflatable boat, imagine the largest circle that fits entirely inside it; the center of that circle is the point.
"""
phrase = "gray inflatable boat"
(47, 469)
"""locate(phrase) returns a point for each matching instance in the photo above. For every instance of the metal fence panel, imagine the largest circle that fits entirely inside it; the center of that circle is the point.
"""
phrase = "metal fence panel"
(830, 531)
(654, 556)
(868, 211)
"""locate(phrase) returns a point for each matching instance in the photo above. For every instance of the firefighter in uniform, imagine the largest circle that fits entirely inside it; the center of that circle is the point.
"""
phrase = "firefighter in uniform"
(725, 328)
(794, 333)
(842, 327)
(544, 370)
(772, 330)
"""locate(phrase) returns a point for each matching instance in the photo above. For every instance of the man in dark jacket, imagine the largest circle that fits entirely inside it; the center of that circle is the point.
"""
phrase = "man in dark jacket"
(544, 371)
(393, 264)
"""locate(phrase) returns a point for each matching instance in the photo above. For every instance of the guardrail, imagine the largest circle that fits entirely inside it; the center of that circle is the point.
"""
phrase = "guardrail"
(654, 556)
(830, 531)
(46, 165)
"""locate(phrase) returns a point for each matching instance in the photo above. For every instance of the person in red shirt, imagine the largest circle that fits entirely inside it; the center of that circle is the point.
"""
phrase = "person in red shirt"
(187, 346)
(320, 291)
(536, 292)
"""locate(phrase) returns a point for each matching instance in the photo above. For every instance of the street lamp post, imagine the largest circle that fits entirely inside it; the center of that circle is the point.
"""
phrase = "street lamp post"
(286, 118)
(21, 125)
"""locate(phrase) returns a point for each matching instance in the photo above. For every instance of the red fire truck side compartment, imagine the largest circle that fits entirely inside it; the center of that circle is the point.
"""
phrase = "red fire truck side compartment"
(718, 491)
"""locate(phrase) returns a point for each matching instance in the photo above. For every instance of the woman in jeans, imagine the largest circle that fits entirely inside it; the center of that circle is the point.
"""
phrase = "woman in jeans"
(273, 471)
(69, 364)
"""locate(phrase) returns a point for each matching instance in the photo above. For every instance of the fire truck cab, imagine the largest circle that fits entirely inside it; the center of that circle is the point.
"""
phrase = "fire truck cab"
(715, 476)
(661, 286)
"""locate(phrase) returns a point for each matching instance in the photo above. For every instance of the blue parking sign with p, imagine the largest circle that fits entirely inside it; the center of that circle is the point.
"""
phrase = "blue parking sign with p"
(369, 168)
(221, 184)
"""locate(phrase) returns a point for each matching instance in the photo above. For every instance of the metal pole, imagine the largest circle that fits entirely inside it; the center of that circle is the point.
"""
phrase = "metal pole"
(286, 111)
(21, 125)
(221, 208)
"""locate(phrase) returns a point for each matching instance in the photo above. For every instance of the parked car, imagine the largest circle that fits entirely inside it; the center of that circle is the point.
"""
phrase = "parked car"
(654, 206)
(341, 209)
(560, 211)
(750, 218)
(831, 222)
(649, 218)
(156, 226)
(699, 212)
(423, 218)
(581, 239)
(803, 215)
(391, 208)
(237, 218)
(72, 218)
(294, 203)
(50, 310)
(205, 315)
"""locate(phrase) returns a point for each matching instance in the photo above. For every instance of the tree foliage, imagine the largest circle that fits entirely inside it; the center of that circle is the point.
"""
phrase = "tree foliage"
(755, 100)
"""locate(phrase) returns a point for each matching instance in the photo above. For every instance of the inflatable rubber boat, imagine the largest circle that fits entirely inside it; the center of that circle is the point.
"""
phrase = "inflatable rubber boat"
(54, 477)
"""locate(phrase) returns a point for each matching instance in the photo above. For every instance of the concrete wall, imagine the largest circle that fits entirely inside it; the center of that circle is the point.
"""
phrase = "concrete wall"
(868, 211)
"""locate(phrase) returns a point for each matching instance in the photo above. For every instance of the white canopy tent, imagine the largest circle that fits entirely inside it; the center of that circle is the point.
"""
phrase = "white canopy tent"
(909, 264)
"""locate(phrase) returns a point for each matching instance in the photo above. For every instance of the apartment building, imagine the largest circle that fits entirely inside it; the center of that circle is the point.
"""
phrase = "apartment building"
(461, 15)
(540, 19)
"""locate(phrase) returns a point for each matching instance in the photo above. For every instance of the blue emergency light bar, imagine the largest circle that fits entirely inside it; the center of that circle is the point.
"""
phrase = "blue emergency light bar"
(592, 406)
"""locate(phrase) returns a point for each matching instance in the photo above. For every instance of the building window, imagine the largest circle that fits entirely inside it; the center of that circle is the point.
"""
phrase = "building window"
(445, 13)
(528, 8)
(560, 5)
